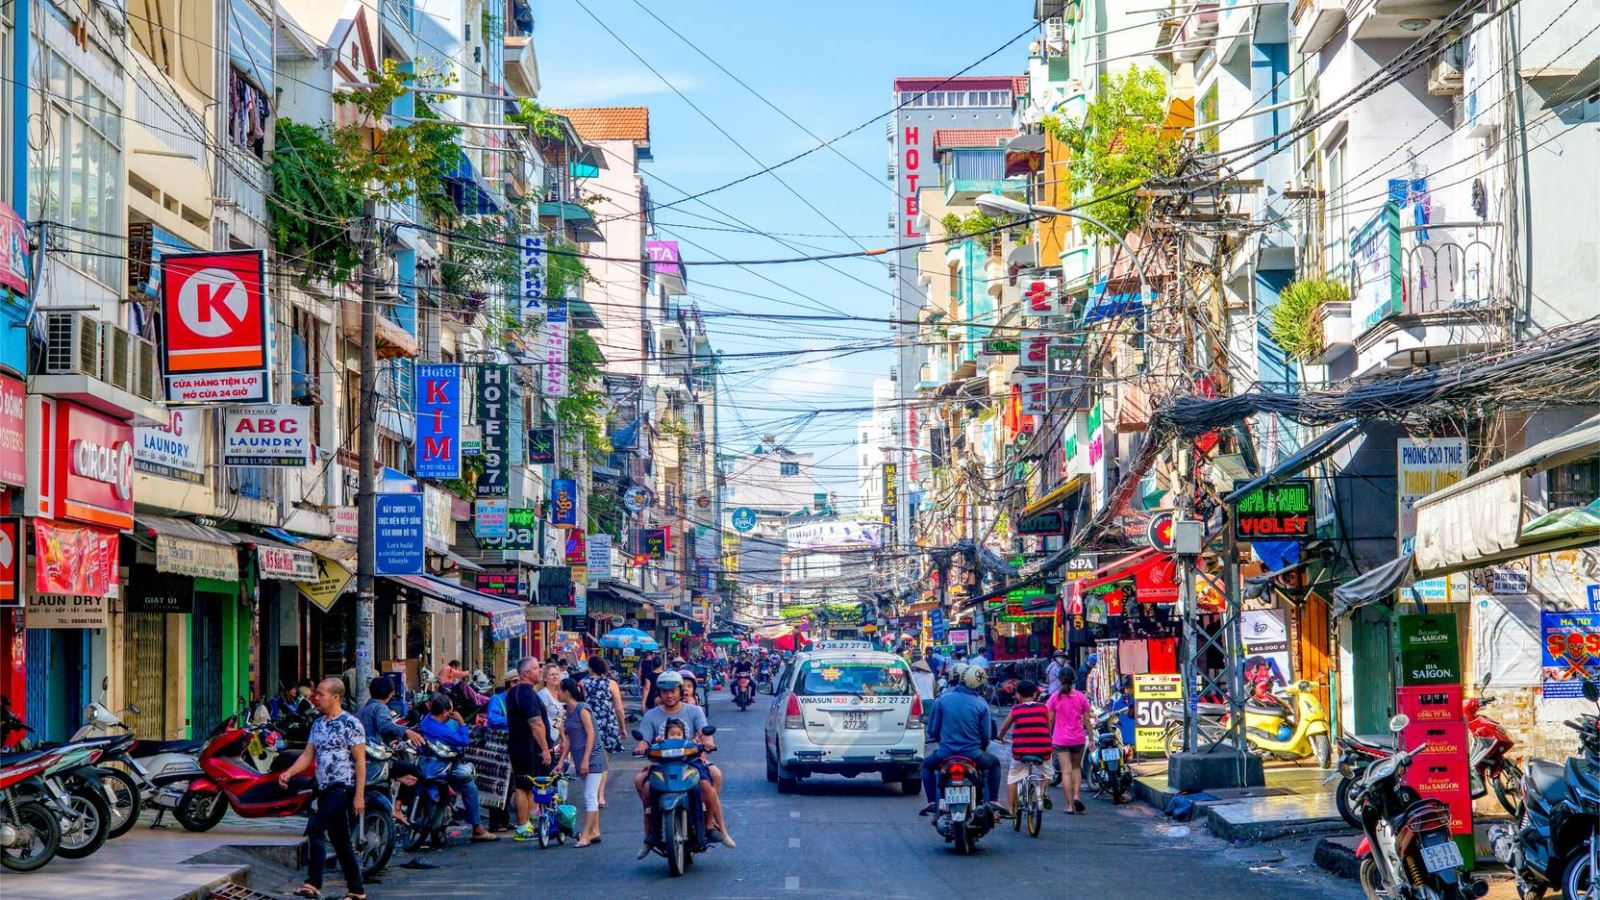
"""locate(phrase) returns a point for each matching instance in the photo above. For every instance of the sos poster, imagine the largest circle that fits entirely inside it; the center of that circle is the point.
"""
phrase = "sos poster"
(1570, 652)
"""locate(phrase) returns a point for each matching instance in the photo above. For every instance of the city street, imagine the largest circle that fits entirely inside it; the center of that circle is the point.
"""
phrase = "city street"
(857, 838)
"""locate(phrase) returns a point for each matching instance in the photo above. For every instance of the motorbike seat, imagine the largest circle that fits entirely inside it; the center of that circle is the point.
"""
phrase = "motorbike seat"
(1548, 778)
(142, 749)
(1264, 710)
(1032, 758)
(19, 757)
(284, 760)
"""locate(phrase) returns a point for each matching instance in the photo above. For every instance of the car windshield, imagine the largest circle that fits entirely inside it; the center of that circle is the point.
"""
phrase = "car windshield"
(870, 678)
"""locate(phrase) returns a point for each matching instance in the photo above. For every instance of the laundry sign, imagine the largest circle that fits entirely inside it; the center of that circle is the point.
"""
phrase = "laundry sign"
(271, 436)
(287, 563)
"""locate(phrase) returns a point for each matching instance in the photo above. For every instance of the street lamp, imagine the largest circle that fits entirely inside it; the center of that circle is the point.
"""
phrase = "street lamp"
(999, 203)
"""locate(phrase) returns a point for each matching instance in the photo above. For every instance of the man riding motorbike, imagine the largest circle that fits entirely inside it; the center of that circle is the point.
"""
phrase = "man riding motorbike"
(961, 723)
(744, 668)
(652, 725)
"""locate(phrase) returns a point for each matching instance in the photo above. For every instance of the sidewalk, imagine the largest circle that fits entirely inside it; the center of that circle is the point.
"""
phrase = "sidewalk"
(1293, 801)
(155, 864)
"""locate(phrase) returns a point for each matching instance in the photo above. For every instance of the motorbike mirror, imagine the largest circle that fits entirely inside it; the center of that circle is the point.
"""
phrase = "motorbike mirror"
(1484, 684)
(709, 730)
(105, 682)
(637, 734)
(1591, 691)
(133, 708)
(1399, 723)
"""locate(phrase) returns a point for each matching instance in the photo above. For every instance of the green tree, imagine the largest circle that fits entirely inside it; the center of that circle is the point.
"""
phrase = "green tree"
(1119, 145)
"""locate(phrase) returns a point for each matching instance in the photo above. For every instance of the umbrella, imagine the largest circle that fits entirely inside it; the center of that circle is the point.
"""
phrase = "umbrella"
(727, 641)
(624, 638)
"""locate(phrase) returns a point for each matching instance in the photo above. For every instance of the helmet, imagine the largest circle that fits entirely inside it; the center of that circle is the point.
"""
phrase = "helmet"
(687, 675)
(953, 672)
(481, 682)
(974, 677)
(668, 679)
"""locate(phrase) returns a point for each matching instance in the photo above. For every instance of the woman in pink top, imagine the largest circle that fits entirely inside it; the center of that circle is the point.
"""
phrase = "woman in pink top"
(1071, 713)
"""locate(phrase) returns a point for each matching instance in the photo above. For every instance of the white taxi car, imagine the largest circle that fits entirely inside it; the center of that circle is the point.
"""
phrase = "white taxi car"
(844, 708)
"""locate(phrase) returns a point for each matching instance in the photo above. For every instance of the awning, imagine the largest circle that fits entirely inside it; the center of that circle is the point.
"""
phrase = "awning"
(1316, 450)
(506, 617)
(1054, 497)
(189, 548)
(472, 196)
(461, 562)
(1378, 584)
(341, 552)
(1478, 520)
(621, 590)
(1154, 574)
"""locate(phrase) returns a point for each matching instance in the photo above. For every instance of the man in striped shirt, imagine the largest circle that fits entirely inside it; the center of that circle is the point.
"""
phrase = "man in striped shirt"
(1029, 725)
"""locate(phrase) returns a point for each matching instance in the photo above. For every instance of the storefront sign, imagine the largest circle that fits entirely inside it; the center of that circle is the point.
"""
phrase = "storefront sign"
(1422, 467)
(438, 444)
(541, 446)
(489, 518)
(554, 346)
(1151, 694)
(911, 172)
(555, 587)
(74, 559)
(274, 436)
(286, 563)
(509, 583)
(1429, 651)
(599, 556)
(1276, 511)
(13, 250)
(201, 559)
(521, 531)
(10, 562)
(1266, 644)
(577, 548)
(1041, 298)
(13, 419)
(84, 465)
(564, 503)
(1050, 522)
(1508, 581)
(170, 595)
(399, 534)
(744, 519)
(330, 582)
(347, 523)
(1571, 652)
(1035, 396)
(507, 624)
(1375, 254)
(439, 524)
(1159, 533)
(494, 384)
(216, 331)
(664, 258)
(176, 450)
(67, 611)
(654, 542)
(636, 498)
(532, 287)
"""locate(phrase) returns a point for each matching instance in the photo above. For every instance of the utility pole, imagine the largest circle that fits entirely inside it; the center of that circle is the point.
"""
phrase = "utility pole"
(366, 496)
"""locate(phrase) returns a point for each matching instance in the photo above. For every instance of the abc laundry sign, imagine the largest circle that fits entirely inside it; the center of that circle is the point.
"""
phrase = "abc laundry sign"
(267, 436)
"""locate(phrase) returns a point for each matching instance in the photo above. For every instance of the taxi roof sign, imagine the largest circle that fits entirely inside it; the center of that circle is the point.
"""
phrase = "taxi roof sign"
(843, 645)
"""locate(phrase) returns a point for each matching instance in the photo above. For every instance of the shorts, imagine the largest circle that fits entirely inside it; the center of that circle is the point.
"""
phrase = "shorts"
(1069, 748)
(525, 767)
(1018, 772)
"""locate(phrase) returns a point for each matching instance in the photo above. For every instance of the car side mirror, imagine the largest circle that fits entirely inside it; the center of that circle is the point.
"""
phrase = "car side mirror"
(766, 687)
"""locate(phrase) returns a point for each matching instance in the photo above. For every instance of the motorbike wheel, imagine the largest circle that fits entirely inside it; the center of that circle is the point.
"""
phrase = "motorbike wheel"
(46, 841)
(1344, 799)
(198, 811)
(1576, 877)
(675, 837)
(962, 838)
(375, 840)
(92, 822)
(1322, 749)
(1173, 739)
(125, 800)
(1507, 784)
(1372, 880)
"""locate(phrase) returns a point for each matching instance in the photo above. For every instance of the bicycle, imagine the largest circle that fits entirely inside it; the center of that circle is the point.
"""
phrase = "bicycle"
(1032, 796)
(549, 795)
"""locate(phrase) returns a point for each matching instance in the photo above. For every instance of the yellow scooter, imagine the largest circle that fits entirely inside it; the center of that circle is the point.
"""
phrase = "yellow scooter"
(1290, 725)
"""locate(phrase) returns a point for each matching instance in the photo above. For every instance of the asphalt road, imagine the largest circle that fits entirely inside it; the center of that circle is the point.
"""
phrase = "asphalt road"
(840, 837)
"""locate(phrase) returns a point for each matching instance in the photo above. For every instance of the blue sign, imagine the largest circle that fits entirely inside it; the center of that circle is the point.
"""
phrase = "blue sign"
(399, 534)
(1571, 652)
(564, 503)
(1102, 306)
(744, 519)
(438, 453)
(1594, 597)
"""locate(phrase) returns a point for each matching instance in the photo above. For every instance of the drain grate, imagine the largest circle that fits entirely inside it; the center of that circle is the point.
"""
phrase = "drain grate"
(231, 891)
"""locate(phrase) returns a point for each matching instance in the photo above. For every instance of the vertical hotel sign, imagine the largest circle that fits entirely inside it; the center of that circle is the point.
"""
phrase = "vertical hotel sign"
(438, 449)
(533, 276)
(494, 384)
(910, 175)
(215, 328)
(555, 351)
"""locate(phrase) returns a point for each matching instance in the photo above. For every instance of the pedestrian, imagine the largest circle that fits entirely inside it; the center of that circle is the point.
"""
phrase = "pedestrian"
(338, 744)
(605, 704)
(1068, 735)
(922, 679)
(451, 673)
(1052, 672)
(648, 666)
(527, 742)
(580, 743)
(1029, 724)
(553, 673)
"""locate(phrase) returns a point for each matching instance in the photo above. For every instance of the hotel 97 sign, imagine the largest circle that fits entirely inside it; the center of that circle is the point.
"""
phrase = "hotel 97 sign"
(215, 327)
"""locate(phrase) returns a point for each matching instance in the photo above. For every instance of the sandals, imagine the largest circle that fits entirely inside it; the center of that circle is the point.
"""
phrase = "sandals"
(304, 891)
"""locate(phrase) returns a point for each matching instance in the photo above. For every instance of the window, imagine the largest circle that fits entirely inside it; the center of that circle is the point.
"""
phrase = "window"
(846, 677)
(788, 469)
(974, 98)
(76, 177)
(1574, 484)
(1338, 229)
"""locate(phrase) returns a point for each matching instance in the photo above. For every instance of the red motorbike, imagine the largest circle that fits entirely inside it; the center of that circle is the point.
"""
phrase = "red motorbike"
(232, 779)
(744, 691)
(1490, 742)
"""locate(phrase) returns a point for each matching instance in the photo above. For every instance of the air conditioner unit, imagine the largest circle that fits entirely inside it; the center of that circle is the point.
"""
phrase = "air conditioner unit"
(1055, 31)
(1444, 73)
(119, 369)
(147, 380)
(72, 345)
(893, 170)
(894, 271)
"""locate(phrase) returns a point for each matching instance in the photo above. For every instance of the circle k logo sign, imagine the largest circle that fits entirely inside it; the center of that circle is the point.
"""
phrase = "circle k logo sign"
(112, 465)
(213, 303)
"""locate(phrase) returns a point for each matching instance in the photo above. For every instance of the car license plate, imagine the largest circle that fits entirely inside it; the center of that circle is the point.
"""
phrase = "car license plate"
(955, 795)
(1440, 857)
(855, 721)
(1110, 754)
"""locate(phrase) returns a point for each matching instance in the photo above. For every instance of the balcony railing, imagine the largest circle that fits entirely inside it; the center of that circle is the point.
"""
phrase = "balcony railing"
(1443, 268)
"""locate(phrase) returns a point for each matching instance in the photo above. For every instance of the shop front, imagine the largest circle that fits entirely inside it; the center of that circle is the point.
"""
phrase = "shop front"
(13, 477)
(483, 625)
(1125, 613)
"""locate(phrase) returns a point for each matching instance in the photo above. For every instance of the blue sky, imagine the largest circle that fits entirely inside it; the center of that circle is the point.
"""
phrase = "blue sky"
(829, 65)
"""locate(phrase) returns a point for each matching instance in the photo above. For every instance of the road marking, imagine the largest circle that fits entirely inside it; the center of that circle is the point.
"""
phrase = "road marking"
(794, 813)
(791, 883)
(794, 843)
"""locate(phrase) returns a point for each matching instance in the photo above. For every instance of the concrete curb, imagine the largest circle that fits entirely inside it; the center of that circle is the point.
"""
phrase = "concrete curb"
(1338, 856)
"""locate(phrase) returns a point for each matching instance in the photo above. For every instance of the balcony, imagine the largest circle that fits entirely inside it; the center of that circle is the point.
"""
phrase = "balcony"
(1200, 26)
(99, 365)
(521, 65)
(959, 191)
(1382, 19)
(1315, 21)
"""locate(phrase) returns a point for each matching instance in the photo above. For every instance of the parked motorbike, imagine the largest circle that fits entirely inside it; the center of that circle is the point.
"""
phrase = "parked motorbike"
(1491, 768)
(30, 832)
(744, 692)
(1354, 757)
(965, 815)
(433, 800)
(1406, 849)
(677, 828)
(70, 787)
(1555, 839)
(1110, 771)
(1287, 723)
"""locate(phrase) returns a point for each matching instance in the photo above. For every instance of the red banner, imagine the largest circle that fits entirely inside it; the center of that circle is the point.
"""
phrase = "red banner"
(13, 425)
(74, 559)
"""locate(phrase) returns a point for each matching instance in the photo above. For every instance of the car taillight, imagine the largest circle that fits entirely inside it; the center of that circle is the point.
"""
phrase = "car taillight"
(915, 719)
(958, 772)
(791, 714)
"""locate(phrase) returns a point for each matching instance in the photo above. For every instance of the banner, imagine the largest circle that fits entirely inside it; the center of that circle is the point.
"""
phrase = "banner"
(533, 276)
(1151, 694)
(564, 503)
(399, 534)
(599, 556)
(1571, 652)
(274, 436)
(493, 396)
(438, 447)
(201, 559)
(74, 559)
(174, 451)
(286, 563)
(1266, 643)
(507, 624)
(555, 351)
(541, 446)
(215, 328)
(1041, 297)
(489, 518)
(438, 524)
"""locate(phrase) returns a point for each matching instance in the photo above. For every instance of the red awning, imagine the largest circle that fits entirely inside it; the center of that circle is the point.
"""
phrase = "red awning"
(1154, 574)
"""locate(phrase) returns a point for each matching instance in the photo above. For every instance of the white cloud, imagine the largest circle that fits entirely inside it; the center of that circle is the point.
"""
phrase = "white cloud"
(591, 87)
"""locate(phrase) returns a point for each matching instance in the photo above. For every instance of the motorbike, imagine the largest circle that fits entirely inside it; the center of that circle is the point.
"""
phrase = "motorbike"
(677, 827)
(433, 800)
(744, 692)
(1490, 742)
(30, 832)
(1110, 771)
(964, 816)
(136, 772)
(1288, 723)
(1554, 840)
(1355, 755)
(1406, 849)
